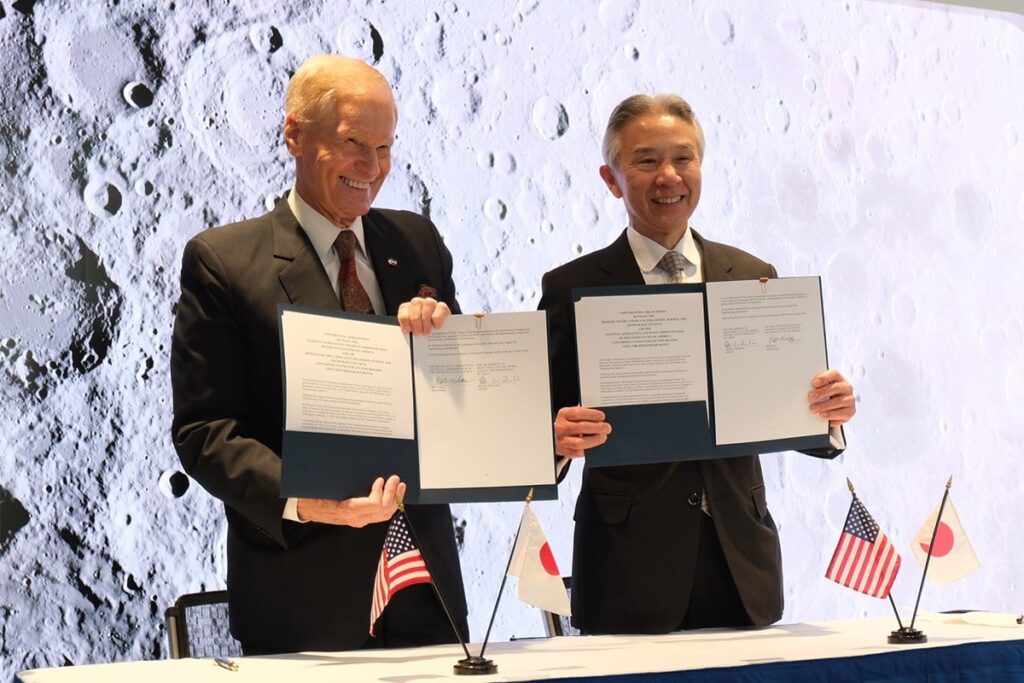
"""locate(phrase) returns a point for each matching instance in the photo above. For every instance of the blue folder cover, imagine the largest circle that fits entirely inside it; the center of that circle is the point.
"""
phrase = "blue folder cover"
(340, 466)
(658, 432)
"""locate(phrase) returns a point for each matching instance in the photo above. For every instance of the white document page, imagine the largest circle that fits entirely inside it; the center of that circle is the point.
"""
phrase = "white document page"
(767, 342)
(346, 376)
(641, 349)
(483, 406)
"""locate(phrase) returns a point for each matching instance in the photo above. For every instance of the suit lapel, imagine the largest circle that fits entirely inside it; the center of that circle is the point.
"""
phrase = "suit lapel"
(617, 263)
(303, 277)
(715, 264)
(396, 268)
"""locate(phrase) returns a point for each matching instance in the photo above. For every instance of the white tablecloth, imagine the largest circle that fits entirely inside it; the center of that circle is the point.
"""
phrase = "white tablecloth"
(543, 659)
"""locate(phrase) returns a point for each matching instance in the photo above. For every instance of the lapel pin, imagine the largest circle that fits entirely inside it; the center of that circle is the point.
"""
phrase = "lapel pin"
(392, 262)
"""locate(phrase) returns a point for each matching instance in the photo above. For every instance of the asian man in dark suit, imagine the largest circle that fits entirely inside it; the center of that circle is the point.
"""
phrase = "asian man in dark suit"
(665, 546)
(301, 571)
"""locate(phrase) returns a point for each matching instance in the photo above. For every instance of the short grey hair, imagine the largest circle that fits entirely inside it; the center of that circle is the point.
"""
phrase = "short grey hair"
(639, 105)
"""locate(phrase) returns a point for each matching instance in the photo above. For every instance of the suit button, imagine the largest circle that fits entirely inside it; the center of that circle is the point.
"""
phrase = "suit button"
(694, 499)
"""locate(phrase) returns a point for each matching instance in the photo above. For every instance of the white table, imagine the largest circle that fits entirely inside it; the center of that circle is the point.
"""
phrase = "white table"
(584, 657)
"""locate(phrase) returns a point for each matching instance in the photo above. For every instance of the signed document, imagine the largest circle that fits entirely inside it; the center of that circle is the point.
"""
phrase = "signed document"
(483, 406)
(636, 350)
(696, 371)
(346, 376)
(461, 415)
(766, 342)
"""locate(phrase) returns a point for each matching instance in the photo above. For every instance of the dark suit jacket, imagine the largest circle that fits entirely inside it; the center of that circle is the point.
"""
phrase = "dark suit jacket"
(636, 537)
(291, 586)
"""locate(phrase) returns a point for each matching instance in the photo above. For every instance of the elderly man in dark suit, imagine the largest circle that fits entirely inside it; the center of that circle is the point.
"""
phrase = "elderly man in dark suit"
(681, 545)
(301, 571)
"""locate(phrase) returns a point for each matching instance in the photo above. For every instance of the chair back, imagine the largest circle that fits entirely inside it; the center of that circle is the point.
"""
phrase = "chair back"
(197, 626)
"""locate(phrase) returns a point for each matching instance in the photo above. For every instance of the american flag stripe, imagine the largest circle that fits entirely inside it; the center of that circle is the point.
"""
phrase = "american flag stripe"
(879, 568)
(863, 551)
(885, 571)
(864, 559)
(843, 549)
(401, 565)
(850, 562)
(381, 593)
(412, 572)
(872, 569)
(843, 569)
(840, 571)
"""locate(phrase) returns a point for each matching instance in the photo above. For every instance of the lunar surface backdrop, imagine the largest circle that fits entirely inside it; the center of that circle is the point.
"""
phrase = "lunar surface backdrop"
(876, 143)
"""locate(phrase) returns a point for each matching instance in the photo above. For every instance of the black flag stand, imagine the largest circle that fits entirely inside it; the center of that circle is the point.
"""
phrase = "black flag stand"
(437, 591)
(910, 635)
(479, 665)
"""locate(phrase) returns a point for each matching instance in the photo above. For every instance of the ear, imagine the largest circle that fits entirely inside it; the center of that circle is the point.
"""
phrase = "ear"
(292, 133)
(608, 176)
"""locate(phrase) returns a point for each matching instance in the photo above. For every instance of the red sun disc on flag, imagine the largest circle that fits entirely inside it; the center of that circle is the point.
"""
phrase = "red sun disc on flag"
(943, 541)
(547, 560)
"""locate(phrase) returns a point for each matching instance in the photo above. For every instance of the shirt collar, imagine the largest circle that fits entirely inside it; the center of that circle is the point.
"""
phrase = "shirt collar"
(648, 253)
(319, 229)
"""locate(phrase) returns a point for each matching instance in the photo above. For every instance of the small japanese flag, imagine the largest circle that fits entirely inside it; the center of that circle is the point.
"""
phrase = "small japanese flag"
(952, 555)
(540, 583)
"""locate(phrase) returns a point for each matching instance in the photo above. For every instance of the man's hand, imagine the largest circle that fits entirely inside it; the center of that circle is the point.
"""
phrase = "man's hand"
(577, 429)
(355, 512)
(832, 398)
(422, 316)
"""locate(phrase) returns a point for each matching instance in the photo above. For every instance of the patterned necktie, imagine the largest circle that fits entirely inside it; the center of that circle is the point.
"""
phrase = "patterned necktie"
(673, 263)
(353, 296)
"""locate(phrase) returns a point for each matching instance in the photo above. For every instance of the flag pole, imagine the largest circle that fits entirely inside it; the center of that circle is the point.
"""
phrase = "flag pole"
(849, 485)
(504, 579)
(931, 546)
(479, 664)
(437, 591)
(893, 603)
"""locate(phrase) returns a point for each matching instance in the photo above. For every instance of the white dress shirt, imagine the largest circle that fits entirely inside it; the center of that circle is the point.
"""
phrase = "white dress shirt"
(648, 254)
(322, 233)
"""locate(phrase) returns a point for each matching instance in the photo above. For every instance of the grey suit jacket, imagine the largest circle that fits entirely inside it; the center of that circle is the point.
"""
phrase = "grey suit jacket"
(291, 586)
(635, 541)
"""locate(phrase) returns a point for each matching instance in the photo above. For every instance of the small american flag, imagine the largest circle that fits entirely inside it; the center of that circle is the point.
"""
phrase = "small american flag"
(864, 560)
(400, 566)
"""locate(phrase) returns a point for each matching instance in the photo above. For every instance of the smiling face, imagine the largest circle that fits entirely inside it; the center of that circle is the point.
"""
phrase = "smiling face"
(657, 175)
(343, 156)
